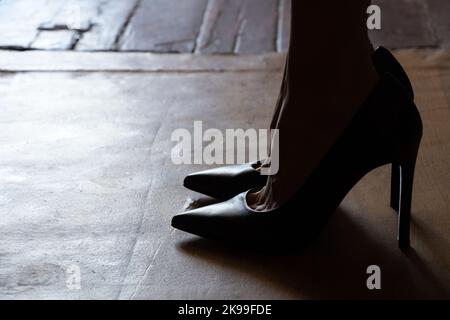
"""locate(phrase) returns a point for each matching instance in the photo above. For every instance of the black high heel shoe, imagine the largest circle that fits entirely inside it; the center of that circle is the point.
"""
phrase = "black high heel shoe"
(387, 129)
(225, 182)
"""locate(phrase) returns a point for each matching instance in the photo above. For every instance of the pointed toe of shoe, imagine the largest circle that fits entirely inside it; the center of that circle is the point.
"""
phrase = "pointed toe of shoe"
(213, 221)
(193, 222)
(216, 183)
(182, 221)
(233, 222)
(196, 181)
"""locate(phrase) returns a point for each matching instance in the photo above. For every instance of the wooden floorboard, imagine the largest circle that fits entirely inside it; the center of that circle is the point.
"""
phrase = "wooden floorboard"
(55, 40)
(201, 26)
(164, 26)
(258, 27)
(108, 25)
(440, 20)
(284, 25)
(20, 21)
(405, 24)
(220, 26)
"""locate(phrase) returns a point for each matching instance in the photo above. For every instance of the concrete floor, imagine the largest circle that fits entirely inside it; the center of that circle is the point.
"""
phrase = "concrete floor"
(86, 182)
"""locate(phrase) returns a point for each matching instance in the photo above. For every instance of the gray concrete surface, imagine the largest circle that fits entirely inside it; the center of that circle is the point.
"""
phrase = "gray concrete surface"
(85, 170)
(86, 180)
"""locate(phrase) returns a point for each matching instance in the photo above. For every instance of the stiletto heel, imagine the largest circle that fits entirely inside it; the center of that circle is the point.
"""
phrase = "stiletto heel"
(395, 186)
(407, 169)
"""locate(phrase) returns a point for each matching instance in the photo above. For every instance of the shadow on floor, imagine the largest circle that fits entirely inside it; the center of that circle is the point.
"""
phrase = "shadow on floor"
(334, 267)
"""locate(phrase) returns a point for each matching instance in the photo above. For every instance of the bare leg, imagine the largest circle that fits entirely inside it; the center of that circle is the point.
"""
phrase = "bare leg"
(281, 96)
(329, 75)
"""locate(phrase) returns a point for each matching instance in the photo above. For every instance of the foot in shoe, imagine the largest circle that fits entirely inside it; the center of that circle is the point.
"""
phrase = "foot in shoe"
(226, 182)
(387, 129)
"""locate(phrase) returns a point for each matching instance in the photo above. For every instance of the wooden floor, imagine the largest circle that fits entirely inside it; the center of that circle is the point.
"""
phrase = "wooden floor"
(200, 26)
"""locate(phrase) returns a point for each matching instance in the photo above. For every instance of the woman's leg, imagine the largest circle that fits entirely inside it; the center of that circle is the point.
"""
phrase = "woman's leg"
(329, 75)
(281, 95)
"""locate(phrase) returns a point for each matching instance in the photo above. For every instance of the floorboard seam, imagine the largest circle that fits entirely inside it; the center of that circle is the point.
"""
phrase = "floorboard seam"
(122, 30)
